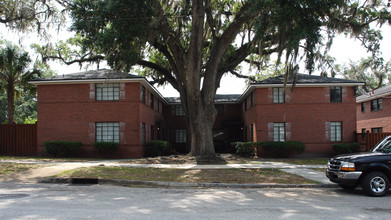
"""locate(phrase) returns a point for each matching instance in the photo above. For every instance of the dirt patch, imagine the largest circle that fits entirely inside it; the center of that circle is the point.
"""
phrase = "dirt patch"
(10, 168)
(189, 176)
(186, 159)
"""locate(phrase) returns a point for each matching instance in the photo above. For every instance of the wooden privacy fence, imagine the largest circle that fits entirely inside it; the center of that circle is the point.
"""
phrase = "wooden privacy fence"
(369, 140)
(18, 140)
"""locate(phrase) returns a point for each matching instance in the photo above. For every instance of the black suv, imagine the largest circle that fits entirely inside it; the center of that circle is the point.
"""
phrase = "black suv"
(370, 170)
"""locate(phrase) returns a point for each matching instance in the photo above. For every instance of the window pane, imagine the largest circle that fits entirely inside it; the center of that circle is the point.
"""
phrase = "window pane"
(143, 133)
(336, 131)
(107, 91)
(143, 94)
(279, 131)
(107, 132)
(178, 110)
(180, 136)
(374, 105)
(278, 95)
(152, 101)
(335, 94)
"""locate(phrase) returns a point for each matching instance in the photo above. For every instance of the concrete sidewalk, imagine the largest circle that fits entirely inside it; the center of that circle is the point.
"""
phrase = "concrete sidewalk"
(305, 171)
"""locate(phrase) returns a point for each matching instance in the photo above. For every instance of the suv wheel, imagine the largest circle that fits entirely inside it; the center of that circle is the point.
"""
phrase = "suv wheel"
(375, 184)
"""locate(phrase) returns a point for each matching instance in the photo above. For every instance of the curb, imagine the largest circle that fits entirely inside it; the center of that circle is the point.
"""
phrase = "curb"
(178, 184)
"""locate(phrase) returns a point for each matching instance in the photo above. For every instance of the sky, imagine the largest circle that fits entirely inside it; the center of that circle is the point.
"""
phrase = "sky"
(343, 49)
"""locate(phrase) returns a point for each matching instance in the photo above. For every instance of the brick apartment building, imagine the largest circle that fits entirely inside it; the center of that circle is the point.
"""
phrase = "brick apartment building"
(105, 105)
(319, 111)
(374, 111)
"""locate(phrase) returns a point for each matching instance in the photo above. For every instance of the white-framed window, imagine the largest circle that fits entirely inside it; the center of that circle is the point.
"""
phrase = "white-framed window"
(278, 131)
(278, 95)
(107, 132)
(180, 136)
(177, 110)
(107, 91)
(336, 131)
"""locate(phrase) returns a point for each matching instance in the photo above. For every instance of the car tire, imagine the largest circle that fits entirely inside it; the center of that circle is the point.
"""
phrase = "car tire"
(375, 184)
(348, 187)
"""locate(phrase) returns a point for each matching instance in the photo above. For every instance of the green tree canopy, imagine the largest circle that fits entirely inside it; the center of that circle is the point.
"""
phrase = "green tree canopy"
(14, 76)
(192, 44)
(25, 15)
(374, 72)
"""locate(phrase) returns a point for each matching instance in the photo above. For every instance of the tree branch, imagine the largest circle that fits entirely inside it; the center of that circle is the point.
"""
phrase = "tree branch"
(251, 78)
(83, 59)
(165, 72)
(221, 45)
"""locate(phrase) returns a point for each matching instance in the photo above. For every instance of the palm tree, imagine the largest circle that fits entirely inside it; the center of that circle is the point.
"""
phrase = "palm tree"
(14, 75)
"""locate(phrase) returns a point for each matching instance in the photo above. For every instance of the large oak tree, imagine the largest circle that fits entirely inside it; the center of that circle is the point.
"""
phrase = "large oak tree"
(191, 44)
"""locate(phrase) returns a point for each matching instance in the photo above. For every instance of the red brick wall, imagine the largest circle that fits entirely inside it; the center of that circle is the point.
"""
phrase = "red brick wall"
(69, 112)
(375, 119)
(306, 112)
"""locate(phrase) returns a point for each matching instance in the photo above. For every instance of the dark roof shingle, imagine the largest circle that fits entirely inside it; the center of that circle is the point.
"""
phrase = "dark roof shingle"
(219, 98)
(304, 79)
(91, 74)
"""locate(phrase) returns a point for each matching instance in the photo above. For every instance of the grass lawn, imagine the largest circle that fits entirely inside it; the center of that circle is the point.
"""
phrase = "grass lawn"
(189, 176)
(227, 158)
(49, 159)
(8, 168)
(180, 159)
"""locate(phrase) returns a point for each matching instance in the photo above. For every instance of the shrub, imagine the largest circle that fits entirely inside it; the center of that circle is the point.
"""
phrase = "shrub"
(157, 148)
(341, 148)
(275, 149)
(354, 147)
(106, 147)
(282, 149)
(62, 148)
(245, 149)
(295, 147)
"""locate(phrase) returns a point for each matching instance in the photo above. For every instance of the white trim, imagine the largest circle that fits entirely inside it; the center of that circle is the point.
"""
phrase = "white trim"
(83, 81)
(252, 87)
(142, 81)
(372, 97)
(308, 85)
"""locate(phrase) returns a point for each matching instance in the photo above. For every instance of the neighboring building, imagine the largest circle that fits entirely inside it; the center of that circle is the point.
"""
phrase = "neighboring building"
(105, 105)
(319, 111)
(374, 111)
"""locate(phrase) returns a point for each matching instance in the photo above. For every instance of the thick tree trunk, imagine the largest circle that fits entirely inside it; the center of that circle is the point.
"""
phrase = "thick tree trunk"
(10, 102)
(200, 118)
(201, 130)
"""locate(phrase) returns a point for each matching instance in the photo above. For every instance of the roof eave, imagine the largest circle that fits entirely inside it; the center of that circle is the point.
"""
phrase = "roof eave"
(372, 97)
(81, 81)
(142, 81)
(253, 86)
